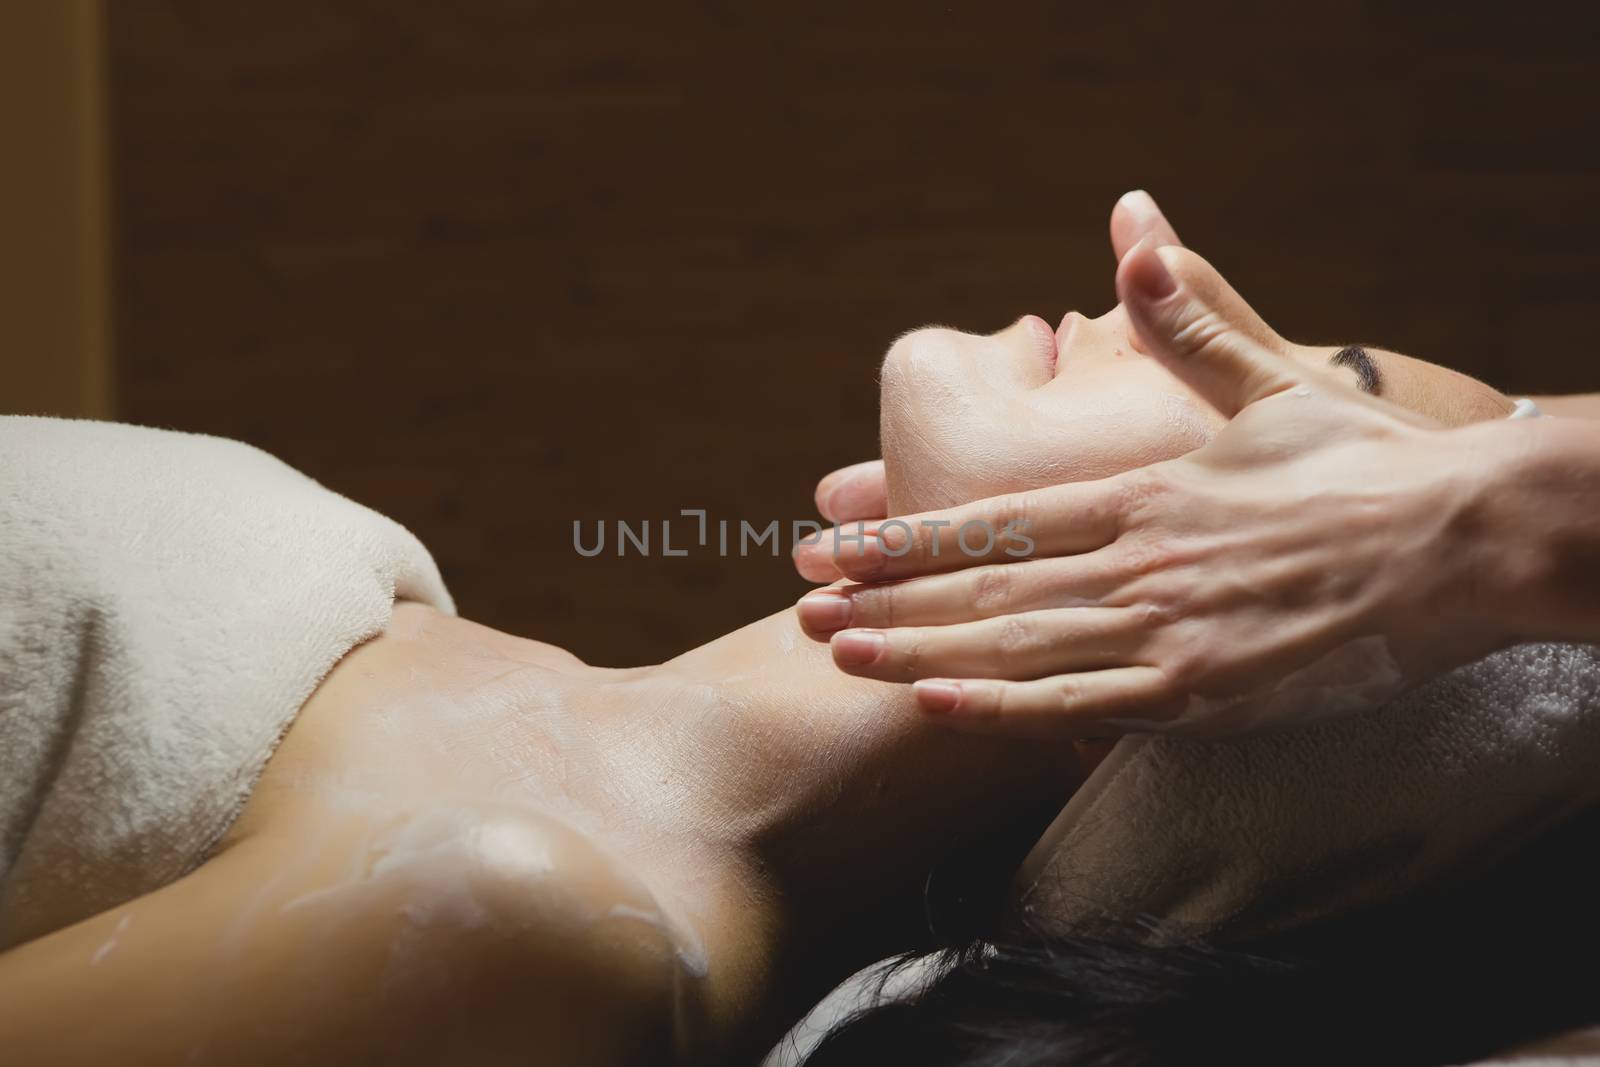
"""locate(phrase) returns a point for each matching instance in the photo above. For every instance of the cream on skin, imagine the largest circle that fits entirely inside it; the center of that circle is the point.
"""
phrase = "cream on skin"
(459, 818)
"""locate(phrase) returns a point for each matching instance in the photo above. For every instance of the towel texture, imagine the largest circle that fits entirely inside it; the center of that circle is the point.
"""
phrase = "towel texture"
(167, 603)
(1259, 834)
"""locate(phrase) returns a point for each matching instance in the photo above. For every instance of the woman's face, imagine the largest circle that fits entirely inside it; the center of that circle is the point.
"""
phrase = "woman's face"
(965, 416)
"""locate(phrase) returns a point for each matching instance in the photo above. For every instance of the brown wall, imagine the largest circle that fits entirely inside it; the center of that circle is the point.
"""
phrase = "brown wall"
(55, 356)
(496, 269)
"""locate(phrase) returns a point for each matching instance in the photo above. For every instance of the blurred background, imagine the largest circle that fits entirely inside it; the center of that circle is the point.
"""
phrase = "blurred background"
(495, 266)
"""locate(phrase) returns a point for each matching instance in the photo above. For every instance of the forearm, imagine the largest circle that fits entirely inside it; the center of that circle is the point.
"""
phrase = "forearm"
(1539, 529)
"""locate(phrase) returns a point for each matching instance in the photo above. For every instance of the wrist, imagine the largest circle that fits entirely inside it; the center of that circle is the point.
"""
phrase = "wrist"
(1532, 525)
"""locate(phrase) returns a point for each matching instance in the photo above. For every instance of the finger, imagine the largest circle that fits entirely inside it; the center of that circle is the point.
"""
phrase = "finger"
(1133, 219)
(814, 559)
(1204, 345)
(1030, 645)
(960, 596)
(853, 493)
(1136, 217)
(1053, 521)
(1071, 705)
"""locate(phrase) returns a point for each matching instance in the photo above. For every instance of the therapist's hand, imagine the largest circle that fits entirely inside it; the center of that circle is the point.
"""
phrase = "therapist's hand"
(859, 493)
(1320, 553)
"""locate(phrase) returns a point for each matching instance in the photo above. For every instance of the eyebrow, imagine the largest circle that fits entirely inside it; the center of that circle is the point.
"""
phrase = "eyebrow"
(1367, 374)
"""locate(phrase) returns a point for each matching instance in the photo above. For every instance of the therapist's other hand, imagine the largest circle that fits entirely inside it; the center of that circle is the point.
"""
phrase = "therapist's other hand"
(1284, 569)
(859, 493)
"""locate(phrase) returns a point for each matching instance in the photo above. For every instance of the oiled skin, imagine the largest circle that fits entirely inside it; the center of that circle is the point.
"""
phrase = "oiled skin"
(471, 848)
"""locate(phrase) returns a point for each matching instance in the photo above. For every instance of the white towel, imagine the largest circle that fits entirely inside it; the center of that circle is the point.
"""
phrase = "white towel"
(168, 601)
(1251, 836)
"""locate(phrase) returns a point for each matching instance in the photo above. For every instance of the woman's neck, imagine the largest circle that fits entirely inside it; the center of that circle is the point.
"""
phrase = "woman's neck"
(821, 799)
(784, 814)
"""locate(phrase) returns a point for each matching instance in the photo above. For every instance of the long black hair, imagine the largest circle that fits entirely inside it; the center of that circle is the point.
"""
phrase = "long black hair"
(1442, 976)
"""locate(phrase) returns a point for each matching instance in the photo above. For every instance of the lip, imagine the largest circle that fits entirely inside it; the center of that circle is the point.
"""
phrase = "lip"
(1049, 348)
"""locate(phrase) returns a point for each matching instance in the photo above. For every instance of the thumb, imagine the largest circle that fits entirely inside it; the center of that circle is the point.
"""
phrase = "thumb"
(1167, 294)
(1135, 217)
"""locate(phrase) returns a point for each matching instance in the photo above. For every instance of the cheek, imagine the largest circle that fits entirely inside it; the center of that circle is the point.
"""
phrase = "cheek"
(952, 430)
(941, 454)
(1095, 443)
(941, 450)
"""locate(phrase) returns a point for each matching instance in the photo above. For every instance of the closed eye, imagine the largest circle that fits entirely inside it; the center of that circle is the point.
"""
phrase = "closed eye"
(1355, 358)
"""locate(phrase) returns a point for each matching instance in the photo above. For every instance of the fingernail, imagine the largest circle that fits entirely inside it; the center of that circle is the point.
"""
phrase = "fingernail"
(1151, 278)
(814, 564)
(1140, 204)
(857, 648)
(937, 698)
(825, 506)
(824, 611)
(892, 536)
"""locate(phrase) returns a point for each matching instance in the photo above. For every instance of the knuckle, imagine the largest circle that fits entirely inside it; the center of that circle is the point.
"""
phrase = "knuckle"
(1138, 491)
(886, 605)
(1018, 636)
(1016, 510)
(909, 649)
(1184, 669)
(1152, 615)
(1140, 557)
(1069, 692)
(1200, 329)
(992, 591)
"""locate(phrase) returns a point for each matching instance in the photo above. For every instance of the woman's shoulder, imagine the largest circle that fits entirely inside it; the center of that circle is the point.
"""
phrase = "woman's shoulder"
(400, 807)
(497, 922)
(442, 932)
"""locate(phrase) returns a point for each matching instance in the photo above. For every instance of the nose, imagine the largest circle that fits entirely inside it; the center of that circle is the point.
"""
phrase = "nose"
(1081, 337)
(1070, 323)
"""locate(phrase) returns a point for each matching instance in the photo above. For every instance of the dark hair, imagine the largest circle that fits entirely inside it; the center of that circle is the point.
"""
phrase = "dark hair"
(1442, 976)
